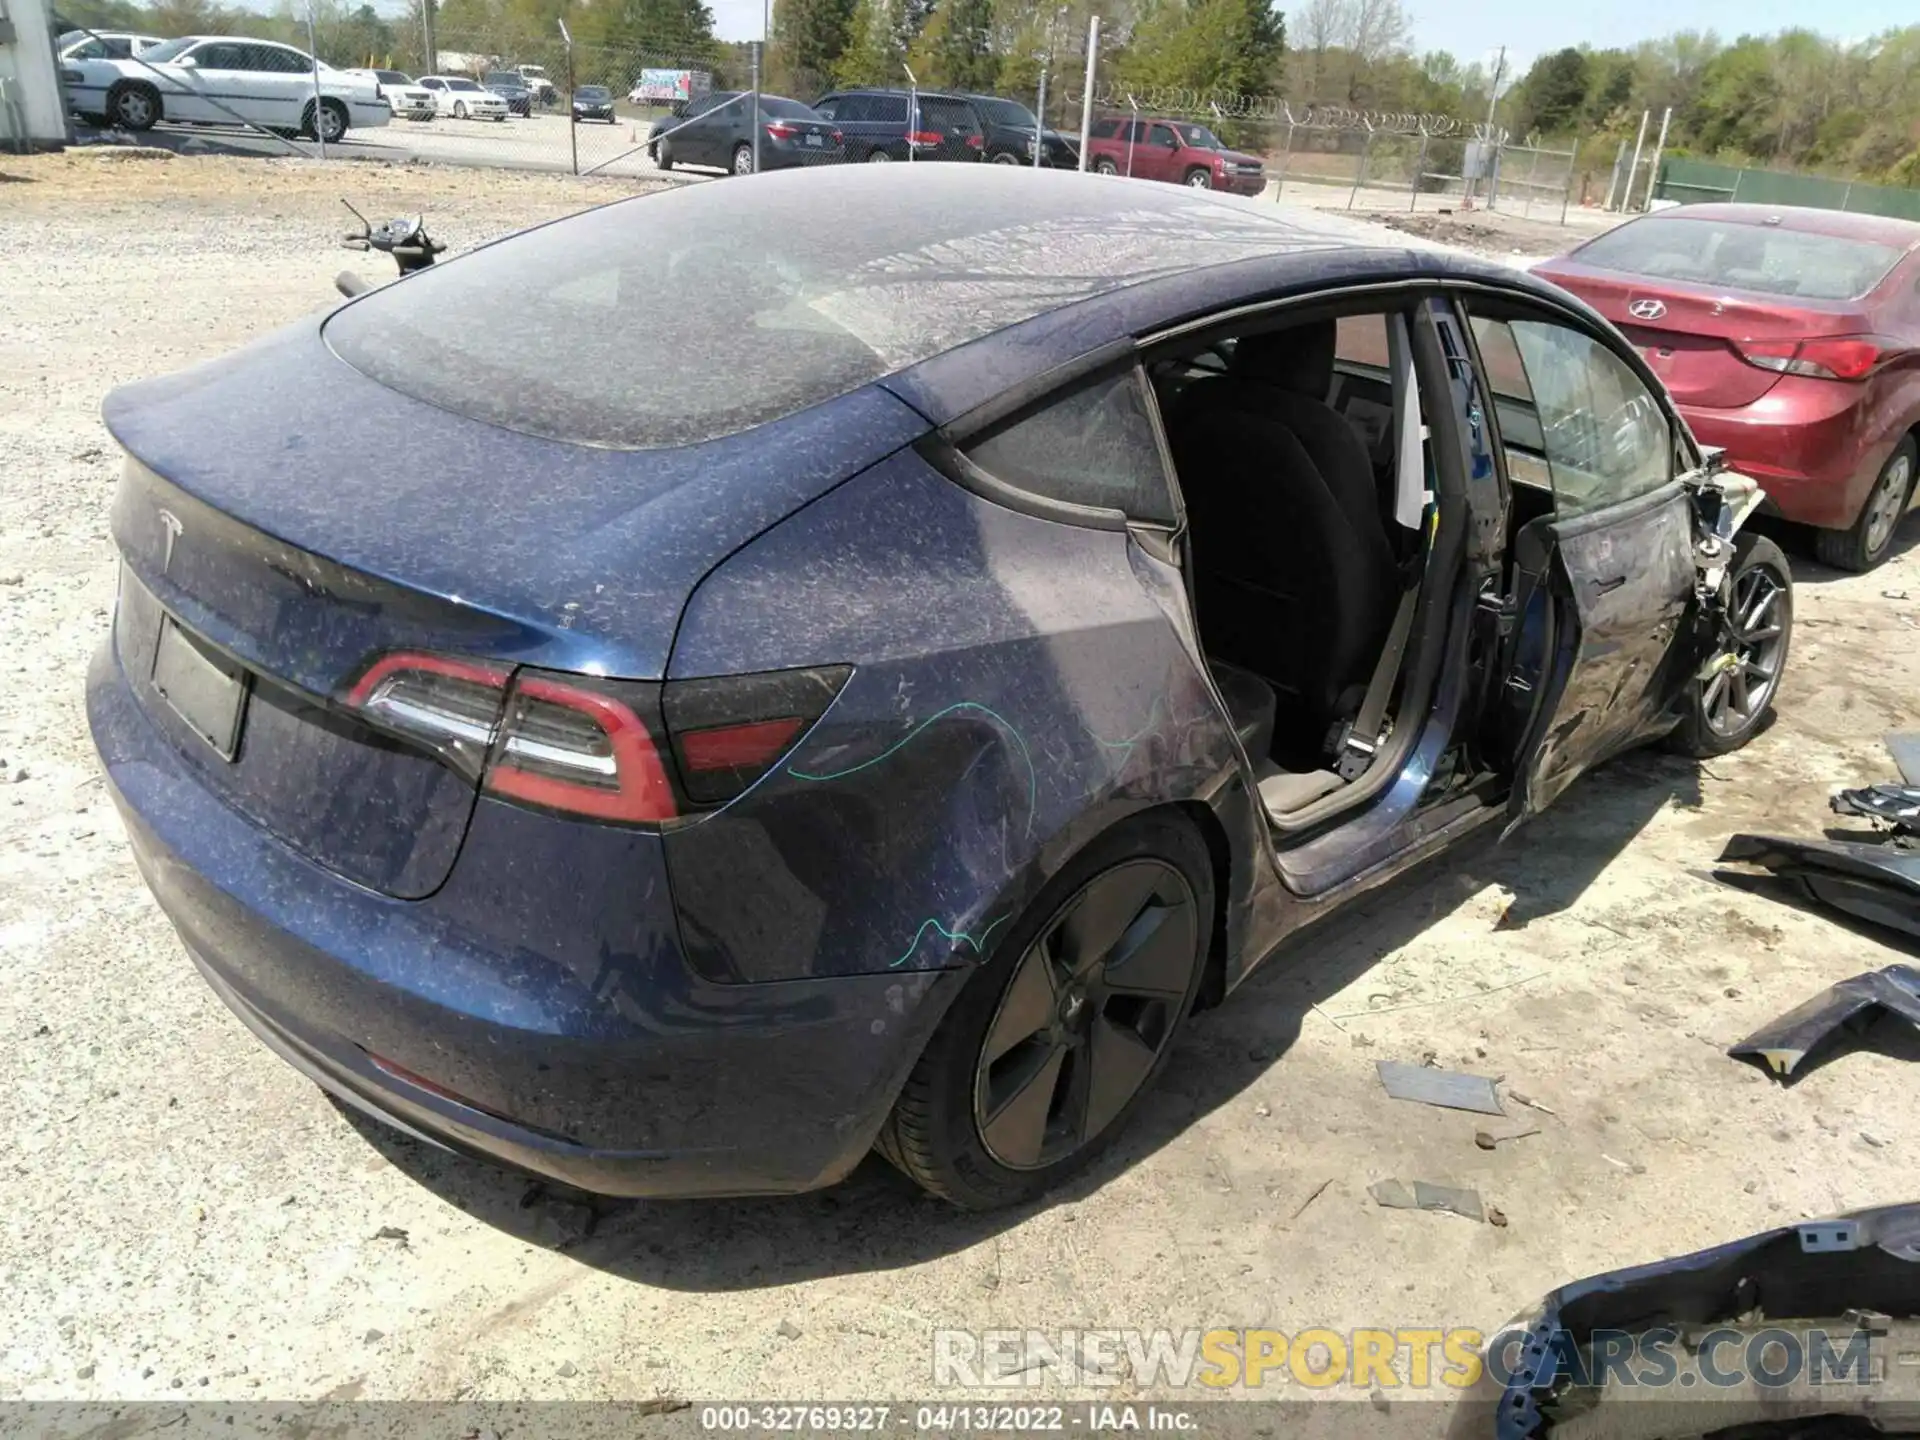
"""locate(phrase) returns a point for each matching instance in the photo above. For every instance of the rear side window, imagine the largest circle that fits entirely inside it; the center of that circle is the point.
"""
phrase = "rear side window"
(1095, 446)
(1762, 258)
(945, 114)
(1103, 129)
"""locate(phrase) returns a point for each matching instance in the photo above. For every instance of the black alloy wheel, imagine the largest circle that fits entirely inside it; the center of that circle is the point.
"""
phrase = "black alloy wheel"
(1730, 696)
(1050, 1047)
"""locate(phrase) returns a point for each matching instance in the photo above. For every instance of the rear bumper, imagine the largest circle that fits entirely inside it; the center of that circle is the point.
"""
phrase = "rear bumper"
(547, 1010)
(1809, 443)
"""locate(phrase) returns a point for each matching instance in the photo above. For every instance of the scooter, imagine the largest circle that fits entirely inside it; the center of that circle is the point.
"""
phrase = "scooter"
(406, 240)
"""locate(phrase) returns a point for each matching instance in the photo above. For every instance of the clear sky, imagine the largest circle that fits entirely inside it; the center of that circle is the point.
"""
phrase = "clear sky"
(1475, 28)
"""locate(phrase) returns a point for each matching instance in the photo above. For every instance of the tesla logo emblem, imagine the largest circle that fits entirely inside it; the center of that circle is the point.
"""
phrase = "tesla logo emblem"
(169, 522)
(1647, 309)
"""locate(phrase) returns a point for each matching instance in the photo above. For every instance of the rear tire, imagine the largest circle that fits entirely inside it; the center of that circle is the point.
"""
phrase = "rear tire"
(1105, 167)
(327, 124)
(1869, 540)
(134, 106)
(1045, 1057)
(1006, 157)
(879, 157)
(743, 159)
(1753, 645)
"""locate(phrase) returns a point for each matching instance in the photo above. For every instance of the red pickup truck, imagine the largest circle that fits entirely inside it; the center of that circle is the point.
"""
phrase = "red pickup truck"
(1178, 151)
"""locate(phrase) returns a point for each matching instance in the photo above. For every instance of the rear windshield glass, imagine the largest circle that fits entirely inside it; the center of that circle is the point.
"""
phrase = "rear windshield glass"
(696, 312)
(786, 109)
(1762, 258)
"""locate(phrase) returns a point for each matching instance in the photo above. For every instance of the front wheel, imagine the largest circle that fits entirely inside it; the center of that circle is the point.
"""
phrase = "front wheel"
(743, 159)
(1729, 696)
(1870, 538)
(1045, 1056)
(459, 109)
(1200, 179)
(1105, 167)
(663, 156)
(879, 157)
(1006, 157)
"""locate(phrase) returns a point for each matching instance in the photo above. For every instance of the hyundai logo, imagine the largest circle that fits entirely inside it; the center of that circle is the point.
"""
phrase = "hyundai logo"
(1647, 309)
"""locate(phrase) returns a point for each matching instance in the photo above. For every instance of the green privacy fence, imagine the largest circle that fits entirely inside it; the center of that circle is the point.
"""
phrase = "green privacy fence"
(1690, 181)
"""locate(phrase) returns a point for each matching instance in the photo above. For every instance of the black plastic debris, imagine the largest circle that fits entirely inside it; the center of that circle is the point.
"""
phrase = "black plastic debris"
(1781, 1045)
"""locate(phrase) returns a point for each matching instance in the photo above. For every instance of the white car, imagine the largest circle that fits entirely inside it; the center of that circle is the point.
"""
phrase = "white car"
(462, 98)
(405, 97)
(221, 80)
(105, 45)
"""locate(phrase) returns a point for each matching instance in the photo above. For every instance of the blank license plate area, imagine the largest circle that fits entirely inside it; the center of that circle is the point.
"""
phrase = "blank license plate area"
(814, 140)
(206, 690)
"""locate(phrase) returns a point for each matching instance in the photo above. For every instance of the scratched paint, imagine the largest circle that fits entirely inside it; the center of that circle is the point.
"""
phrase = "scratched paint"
(952, 937)
(1026, 757)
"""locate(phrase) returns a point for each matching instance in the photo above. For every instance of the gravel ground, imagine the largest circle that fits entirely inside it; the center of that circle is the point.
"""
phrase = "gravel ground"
(181, 1215)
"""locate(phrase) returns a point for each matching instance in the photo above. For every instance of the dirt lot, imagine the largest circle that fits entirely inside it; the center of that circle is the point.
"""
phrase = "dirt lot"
(182, 1216)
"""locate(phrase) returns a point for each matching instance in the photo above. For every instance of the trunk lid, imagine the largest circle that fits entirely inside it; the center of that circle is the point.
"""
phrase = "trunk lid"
(1691, 335)
(301, 518)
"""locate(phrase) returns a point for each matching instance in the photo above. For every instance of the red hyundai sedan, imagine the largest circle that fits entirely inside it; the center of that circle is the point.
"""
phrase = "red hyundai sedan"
(1791, 337)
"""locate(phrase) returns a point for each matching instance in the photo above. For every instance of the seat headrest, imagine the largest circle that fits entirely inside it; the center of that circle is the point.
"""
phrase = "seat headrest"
(1299, 359)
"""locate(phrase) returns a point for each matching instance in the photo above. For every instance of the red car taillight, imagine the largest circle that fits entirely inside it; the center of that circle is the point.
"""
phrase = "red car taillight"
(923, 137)
(623, 752)
(1844, 357)
(976, 142)
(838, 138)
(780, 130)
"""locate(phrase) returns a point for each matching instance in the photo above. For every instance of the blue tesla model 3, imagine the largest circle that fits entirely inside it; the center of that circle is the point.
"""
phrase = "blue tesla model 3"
(1011, 603)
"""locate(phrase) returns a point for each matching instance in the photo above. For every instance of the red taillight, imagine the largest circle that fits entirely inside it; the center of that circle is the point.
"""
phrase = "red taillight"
(838, 138)
(1842, 357)
(625, 752)
(451, 706)
(780, 130)
(976, 142)
(923, 137)
(565, 747)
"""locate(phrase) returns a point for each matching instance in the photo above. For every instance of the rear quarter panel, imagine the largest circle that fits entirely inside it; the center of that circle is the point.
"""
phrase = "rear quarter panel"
(1019, 686)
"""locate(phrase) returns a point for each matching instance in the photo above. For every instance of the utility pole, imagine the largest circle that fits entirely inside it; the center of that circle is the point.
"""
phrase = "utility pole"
(432, 60)
(1653, 170)
(1633, 170)
(1086, 93)
(1492, 146)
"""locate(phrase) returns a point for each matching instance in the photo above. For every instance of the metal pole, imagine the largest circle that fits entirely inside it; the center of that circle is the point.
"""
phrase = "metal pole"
(1613, 180)
(1133, 129)
(1286, 158)
(1573, 170)
(1533, 165)
(313, 47)
(913, 110)
(1493, 138)
(1419, 174)
(1086, 93)
(573, 123)
(1040, 121)
(1633, 170)
(756, 107)
(426, 27)
(1653, 170)
(1360, 174)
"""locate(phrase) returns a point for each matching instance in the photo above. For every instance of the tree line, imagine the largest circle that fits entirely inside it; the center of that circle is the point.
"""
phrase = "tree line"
(1792, 100)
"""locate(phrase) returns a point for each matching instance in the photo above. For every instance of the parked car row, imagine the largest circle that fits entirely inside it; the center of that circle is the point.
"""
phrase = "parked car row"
(218, 79)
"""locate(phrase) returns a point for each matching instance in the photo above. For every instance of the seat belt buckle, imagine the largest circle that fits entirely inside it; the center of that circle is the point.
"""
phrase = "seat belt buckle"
(1356, 754)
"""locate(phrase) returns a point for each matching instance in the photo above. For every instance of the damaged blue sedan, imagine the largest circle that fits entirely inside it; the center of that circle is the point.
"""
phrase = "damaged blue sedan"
(1016, 602)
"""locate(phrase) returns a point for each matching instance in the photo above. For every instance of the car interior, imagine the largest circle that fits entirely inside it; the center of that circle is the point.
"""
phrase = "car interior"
(1303, 460)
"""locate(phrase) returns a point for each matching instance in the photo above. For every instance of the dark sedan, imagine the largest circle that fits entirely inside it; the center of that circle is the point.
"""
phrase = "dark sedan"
(1025, 600)
(718, 129)
(512, 89)
(593, 102)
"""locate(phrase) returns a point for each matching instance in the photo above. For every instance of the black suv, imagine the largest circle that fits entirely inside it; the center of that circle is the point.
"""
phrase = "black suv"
(1010, 130)
(508, 85)
(901, 124)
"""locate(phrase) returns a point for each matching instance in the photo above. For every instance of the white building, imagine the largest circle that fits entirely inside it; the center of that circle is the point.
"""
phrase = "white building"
(31, 104)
